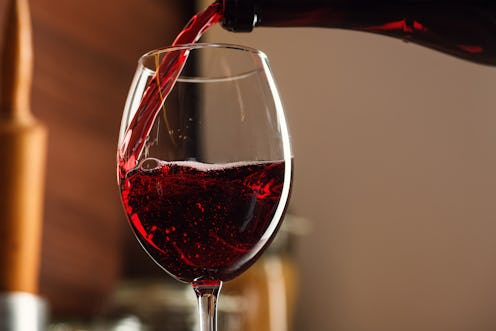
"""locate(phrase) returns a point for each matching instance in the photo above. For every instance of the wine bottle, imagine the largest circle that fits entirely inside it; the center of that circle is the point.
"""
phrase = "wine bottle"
(462, 28)
(23, 142)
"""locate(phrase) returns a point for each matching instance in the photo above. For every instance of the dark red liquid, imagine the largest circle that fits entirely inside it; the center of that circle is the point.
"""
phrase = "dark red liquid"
(201, 221)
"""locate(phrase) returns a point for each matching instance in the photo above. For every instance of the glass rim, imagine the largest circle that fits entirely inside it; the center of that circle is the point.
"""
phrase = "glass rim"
(198, 46)
(191, 46)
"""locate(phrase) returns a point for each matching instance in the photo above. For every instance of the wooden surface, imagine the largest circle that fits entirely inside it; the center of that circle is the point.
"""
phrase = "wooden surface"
(85, 54)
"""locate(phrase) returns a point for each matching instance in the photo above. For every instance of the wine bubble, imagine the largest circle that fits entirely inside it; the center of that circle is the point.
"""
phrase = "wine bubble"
(150, 164)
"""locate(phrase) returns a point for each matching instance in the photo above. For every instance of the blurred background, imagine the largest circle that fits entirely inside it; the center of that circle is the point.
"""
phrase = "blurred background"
(394, 173)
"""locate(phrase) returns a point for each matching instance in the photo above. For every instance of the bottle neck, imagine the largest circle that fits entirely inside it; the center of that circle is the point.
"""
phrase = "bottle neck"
(244, 15)
(238, 15)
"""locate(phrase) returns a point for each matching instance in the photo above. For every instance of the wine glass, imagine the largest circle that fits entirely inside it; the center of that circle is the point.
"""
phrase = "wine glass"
(204, 163)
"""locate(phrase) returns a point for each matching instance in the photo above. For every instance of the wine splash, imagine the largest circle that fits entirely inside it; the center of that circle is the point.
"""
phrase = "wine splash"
(160, 86)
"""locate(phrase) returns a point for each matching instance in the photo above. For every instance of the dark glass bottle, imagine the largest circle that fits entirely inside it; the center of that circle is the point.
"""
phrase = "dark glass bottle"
(463, 28)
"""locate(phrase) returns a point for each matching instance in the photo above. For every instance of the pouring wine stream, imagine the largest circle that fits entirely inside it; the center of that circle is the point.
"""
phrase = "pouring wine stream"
(161, 84)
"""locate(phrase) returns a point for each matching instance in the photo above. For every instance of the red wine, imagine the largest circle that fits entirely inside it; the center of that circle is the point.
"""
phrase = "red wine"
(205, 221)
(463, 28)
(160, 86)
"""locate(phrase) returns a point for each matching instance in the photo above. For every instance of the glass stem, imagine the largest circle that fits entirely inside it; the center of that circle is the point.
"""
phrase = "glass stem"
(207, 292)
